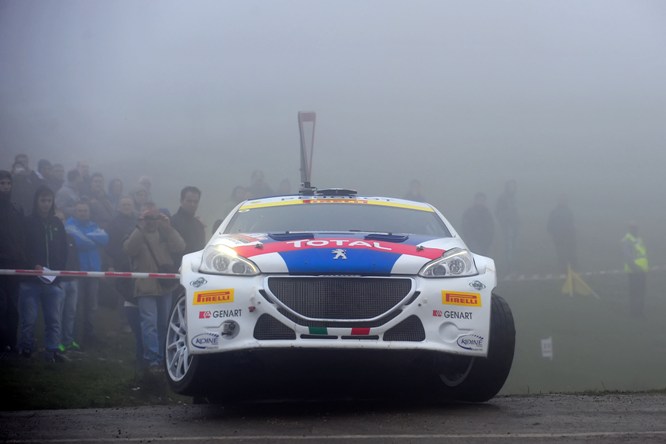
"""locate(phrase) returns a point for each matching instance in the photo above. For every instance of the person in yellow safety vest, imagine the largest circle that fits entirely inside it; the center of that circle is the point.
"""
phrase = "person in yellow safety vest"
(636, 267)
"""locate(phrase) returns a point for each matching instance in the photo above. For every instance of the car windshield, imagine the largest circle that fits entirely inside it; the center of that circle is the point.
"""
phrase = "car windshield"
(333, 217)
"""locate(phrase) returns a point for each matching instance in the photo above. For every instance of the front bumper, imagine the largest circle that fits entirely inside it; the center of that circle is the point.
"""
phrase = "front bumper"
(229, 313)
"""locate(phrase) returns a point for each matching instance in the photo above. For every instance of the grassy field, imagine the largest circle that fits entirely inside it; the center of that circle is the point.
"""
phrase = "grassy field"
(597, 347)
(91, 380)
(104, 376)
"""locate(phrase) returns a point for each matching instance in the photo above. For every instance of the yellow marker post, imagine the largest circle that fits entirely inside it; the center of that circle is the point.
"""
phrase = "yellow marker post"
(575, 284)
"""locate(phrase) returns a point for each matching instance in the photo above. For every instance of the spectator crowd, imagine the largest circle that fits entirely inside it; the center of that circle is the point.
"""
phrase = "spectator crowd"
(53, 219)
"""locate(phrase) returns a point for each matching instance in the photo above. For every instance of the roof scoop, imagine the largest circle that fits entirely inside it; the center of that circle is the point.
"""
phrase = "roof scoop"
(336, 192)
(289, 236)
(387, 237)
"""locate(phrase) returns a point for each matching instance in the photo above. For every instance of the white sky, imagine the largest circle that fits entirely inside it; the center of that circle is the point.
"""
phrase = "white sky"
(561, 95)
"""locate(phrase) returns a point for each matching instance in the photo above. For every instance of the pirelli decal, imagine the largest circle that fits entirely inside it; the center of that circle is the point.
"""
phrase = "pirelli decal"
(461, 298)
(214, 297)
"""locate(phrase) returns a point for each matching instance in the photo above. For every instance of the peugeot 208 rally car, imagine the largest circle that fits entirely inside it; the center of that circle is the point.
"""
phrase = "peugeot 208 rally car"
(356, 286)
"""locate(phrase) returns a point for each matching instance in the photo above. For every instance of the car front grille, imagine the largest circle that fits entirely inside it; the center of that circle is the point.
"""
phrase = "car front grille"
(339, 298)
(411, 330)
(269, 328)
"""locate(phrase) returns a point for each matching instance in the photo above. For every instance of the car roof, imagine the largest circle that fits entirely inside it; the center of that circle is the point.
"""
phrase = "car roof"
(300, 199)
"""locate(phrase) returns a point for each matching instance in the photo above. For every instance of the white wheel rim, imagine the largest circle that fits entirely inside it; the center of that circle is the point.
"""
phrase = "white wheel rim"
(178, 359)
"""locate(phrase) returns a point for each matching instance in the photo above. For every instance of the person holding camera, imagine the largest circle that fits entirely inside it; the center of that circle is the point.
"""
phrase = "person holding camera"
(150, 248)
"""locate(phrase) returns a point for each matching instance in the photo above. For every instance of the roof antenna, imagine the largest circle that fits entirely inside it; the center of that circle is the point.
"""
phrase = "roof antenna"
(306, 126)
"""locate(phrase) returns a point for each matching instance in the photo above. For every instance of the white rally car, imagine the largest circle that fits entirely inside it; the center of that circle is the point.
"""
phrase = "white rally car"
(328, 287)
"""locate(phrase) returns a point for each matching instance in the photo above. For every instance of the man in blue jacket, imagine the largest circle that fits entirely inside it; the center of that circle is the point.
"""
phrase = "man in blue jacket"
(89, 239)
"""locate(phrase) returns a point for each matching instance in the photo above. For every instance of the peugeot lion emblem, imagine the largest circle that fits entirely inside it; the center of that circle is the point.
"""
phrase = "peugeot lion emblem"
(339, 253)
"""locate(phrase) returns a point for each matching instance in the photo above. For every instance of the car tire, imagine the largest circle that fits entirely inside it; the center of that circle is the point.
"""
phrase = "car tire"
(187, 374)
(479, 379)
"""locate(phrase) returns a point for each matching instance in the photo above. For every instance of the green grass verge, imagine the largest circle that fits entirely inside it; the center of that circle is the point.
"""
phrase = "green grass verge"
(86, 382)
(597, 346)
(102, 376)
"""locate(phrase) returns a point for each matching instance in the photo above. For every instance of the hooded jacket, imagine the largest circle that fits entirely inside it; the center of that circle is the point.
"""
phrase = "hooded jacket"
(46, 241)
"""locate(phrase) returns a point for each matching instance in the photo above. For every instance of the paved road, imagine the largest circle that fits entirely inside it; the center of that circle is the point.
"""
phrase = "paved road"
(547, 418)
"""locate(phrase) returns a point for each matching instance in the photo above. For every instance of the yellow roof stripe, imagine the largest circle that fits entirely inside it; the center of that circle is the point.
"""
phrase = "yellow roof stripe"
(337, 200)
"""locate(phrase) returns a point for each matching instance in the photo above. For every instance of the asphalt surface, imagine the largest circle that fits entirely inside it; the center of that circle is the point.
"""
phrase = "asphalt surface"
(622, 418)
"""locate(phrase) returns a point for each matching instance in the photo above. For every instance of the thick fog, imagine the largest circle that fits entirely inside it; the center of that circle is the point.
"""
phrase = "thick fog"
(564, 97)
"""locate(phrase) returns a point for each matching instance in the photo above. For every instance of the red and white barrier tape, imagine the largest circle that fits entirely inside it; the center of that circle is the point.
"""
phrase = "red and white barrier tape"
(550, 276)
(91, 274)
(128, 275)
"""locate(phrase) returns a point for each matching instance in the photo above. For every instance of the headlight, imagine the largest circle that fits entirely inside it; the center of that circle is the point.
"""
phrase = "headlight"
(220, 259)
(454, 263)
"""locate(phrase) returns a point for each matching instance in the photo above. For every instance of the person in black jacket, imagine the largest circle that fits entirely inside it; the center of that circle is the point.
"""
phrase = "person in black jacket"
(12, 247)
(562, 229)
(46, 248)
(478, 227)
(190, 228)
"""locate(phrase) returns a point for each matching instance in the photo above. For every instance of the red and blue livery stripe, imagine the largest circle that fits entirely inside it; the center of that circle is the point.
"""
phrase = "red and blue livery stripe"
(333, 254)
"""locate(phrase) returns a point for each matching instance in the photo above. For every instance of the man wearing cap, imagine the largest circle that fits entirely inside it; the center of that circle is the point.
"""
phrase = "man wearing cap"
(151, 247)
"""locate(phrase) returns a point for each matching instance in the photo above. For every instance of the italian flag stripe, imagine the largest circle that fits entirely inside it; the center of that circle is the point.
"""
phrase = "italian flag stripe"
(318, 330)
(364, 331)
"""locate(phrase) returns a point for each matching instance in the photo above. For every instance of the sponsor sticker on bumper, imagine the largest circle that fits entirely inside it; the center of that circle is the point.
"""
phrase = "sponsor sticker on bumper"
(213, 297)
(461, 298)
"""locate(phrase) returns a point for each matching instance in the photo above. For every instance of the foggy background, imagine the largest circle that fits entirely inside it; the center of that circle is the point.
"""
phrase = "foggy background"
(564, 97)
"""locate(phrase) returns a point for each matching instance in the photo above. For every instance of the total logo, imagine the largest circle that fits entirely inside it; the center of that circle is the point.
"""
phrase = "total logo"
(350, 243)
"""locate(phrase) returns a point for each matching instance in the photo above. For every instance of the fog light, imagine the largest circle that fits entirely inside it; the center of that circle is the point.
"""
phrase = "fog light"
(230, 329)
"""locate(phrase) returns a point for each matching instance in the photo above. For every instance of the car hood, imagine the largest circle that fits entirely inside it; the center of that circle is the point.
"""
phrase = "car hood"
(346, 253)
